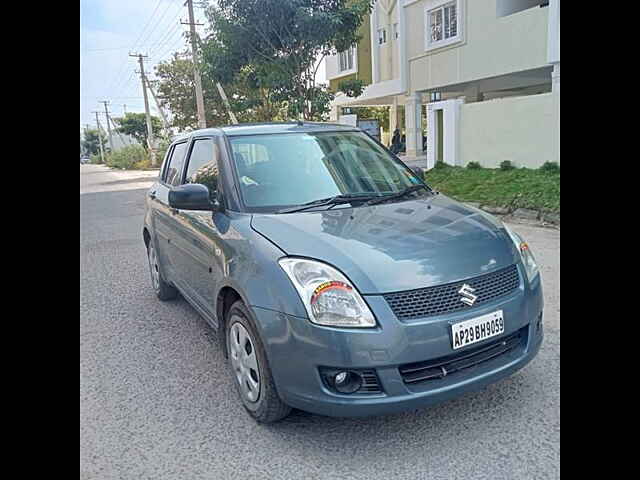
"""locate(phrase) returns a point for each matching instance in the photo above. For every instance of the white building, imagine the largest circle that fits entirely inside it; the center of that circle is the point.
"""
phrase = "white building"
(484, 74)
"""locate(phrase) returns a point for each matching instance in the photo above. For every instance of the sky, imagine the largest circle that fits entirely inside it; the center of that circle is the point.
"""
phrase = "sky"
(109, 31)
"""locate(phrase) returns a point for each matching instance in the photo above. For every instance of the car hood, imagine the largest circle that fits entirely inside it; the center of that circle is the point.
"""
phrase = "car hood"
(395, 246)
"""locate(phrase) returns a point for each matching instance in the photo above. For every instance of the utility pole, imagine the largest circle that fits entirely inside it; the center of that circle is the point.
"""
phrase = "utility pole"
(99, 137)
(155, 99)
(106, 112)
(234, 120)
(115, 127)
(152, 150)
(202, 121)
(124, 106)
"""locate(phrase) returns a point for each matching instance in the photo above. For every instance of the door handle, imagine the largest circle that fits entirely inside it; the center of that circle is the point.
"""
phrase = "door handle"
(152, 195)
(174, 211)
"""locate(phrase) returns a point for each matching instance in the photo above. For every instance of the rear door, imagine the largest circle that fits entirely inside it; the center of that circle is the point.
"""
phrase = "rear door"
(164, 220)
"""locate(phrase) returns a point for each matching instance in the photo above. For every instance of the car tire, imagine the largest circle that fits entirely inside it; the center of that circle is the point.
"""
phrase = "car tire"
(246, 351)
(163, 290)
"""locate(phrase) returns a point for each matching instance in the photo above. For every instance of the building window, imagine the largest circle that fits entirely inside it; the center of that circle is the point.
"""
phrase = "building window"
(442, 27)
(346, 59)
(382, 36)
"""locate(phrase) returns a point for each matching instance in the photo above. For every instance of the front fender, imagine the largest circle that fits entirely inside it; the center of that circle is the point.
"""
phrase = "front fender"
(252, 269)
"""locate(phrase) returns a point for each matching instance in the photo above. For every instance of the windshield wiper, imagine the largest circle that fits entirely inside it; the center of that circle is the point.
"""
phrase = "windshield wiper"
(335, 200)
(400, 194)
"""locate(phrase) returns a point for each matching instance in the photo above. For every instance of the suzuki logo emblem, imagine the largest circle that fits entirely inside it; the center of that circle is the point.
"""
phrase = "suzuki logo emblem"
(468, 298)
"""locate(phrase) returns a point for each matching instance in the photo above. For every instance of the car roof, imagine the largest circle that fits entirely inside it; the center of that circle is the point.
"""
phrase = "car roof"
(269, 128)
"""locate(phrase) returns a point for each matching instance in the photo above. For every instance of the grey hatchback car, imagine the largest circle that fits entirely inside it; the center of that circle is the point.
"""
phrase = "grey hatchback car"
(337, 280)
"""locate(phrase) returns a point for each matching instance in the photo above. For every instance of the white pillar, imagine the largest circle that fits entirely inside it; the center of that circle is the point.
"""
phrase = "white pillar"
(555, 78)
(333, 113)
(553, 43)
(413, 119)
(393, 117)
(375, 48)
(431, 136)
(450, 131)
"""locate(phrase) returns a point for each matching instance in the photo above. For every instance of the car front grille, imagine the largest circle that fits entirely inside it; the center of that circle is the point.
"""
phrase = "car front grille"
(441, 299)
(414, 373)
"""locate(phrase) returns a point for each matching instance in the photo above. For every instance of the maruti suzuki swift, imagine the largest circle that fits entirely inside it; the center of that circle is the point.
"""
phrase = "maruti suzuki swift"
(338, 281)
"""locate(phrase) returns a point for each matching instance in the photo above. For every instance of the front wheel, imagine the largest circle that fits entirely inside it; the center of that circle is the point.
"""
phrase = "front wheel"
(250, 369)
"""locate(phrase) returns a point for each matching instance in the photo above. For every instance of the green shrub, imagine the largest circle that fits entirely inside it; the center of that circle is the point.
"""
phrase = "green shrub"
(161, 150)
(550, 167)
(128, 157)
(507, 165)
(440, 165)
(143, 164)
(95, 159)
(474, 165)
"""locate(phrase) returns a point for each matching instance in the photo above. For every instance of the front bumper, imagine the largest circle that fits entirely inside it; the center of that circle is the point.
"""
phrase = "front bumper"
(296, 349)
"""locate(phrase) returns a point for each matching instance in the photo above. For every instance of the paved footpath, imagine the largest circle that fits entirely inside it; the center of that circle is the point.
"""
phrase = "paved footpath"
(156, 399)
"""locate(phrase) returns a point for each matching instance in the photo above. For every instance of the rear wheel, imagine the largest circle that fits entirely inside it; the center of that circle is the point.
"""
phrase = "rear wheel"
(250, 369)
(163, 290)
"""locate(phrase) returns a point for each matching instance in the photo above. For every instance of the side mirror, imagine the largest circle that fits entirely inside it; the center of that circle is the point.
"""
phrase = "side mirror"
(191, 196)
(419, 171)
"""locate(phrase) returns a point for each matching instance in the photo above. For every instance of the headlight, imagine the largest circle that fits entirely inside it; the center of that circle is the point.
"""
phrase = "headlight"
(330, 299)
(530, 265)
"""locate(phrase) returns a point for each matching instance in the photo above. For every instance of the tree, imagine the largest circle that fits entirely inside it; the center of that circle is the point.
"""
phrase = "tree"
(176, 92)
(280, 43)
(91, 142)
(135, 124)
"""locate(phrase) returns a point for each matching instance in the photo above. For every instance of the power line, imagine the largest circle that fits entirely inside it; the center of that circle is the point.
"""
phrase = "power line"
(147, 24)
(169, 36)
(117, 78)
(157, 23)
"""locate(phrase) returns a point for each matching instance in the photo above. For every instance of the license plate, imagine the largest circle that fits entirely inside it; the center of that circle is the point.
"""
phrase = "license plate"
(477, 329)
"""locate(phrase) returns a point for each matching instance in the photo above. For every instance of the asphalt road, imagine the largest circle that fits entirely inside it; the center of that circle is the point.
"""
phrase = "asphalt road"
(156, 400)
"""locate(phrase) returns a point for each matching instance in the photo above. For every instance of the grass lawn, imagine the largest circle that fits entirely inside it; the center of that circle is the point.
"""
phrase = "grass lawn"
(517, 188)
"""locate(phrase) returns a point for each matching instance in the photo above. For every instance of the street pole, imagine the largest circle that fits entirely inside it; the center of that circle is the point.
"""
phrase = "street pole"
(234, 120)
(106, 112)
(152, 150)
(99, 138)
(202, 121)
(162, 114)
(115, 127)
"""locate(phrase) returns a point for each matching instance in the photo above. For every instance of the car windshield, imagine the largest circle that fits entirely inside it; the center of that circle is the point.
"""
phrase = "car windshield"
(297, 168)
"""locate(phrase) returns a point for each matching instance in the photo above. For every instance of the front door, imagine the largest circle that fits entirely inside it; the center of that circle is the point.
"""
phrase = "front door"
(198, 255)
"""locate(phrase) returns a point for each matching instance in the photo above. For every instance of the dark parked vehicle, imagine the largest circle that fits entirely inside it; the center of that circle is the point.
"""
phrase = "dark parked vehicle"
(337, 280)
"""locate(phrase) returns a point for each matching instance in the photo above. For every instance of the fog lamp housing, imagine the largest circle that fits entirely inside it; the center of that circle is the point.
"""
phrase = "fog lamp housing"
(342, 381)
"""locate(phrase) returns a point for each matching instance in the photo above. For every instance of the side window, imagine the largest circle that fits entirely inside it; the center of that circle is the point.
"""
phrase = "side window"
(203, 164)
(175, 164)
(165, 164)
